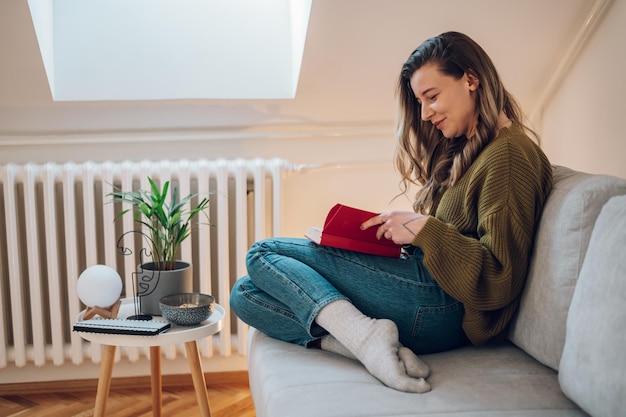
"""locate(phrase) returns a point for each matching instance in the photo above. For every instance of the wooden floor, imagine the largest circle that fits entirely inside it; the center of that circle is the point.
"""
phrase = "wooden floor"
(229, 396)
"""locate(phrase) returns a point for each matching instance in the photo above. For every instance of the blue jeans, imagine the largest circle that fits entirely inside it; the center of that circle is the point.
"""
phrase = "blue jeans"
(289, 280)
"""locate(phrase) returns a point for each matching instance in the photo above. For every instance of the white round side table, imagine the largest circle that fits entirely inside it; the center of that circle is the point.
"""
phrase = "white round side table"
(176, 334)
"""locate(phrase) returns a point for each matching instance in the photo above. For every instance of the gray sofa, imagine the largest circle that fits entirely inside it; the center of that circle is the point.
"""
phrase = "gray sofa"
(566, 350)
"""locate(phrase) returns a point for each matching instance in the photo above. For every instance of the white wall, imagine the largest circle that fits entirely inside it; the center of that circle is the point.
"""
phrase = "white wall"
(583, 125)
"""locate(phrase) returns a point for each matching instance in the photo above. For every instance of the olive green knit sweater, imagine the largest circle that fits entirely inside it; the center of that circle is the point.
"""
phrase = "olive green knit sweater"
(478, 239)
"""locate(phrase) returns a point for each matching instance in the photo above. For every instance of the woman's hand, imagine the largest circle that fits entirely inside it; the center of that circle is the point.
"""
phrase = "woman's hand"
(398, 226)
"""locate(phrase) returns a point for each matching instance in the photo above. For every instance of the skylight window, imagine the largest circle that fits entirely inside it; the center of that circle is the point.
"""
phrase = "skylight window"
(171, 49)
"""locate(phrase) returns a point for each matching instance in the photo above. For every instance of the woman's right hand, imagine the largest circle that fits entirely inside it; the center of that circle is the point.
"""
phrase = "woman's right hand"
(399, 226)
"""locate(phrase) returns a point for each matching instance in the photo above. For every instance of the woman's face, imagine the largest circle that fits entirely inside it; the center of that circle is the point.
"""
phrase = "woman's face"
(449, 104)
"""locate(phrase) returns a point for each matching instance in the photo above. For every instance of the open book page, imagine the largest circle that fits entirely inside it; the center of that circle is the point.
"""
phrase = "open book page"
(342, 229)
(314, 233)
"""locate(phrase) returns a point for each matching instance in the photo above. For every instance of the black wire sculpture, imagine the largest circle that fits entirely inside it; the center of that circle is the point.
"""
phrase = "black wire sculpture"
(144, 281)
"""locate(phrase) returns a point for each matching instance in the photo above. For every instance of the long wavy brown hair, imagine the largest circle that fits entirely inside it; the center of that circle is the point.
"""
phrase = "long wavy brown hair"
(424, 156)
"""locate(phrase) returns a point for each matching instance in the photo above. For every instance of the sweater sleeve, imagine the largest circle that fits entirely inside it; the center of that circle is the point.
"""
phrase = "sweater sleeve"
(478, 244)
(477, 272)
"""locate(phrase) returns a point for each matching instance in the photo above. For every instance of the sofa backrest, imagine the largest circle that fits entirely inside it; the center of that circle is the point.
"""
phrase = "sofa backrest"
(561, 242)
(593, 364)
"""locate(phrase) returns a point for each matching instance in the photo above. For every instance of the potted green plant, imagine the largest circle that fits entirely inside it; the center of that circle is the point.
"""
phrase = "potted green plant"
(164, 225)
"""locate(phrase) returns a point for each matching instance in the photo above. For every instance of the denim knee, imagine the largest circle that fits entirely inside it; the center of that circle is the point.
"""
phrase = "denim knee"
(237, 299)
(256, 251)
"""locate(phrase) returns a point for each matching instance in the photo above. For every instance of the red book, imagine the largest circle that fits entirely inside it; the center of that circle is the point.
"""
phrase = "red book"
(342, 229)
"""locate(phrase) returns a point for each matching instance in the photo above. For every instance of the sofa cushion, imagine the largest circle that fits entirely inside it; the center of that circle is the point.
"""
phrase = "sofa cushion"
(593, 365)
(288, 380)
(560, 246)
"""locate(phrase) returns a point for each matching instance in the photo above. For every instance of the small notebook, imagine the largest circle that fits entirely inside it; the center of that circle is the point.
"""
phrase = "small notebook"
(120, 326)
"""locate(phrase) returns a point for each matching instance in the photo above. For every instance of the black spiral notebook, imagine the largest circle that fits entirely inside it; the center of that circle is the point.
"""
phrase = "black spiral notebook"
(121, 326)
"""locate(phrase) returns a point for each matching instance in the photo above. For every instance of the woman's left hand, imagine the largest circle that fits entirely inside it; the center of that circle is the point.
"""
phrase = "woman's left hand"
(398, 226)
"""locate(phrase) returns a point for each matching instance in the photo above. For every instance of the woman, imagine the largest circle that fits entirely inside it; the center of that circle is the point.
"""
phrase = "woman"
(483, 186)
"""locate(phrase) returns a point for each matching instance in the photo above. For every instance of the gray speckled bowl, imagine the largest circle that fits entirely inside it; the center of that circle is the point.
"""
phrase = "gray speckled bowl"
(187, 309)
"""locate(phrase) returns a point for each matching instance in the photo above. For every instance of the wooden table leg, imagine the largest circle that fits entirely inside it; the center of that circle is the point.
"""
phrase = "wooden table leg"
(104, 382)
(155, 379)
(199, 384)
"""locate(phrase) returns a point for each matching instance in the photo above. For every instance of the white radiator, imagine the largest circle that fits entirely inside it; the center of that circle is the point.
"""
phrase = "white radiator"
(57, 221)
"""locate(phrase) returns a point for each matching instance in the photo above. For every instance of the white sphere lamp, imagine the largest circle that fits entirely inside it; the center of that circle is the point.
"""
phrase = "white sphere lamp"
(99, 287)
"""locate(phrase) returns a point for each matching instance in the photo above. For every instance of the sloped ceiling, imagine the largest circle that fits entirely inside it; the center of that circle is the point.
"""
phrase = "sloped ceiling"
(352, 56)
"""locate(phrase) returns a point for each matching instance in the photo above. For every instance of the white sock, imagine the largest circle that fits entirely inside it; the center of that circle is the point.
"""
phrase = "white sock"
(415, 367)
(330, 344)
(374, 342)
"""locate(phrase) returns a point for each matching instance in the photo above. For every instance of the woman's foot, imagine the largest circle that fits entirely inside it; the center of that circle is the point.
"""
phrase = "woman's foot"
(414, 366)
(375, 343)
